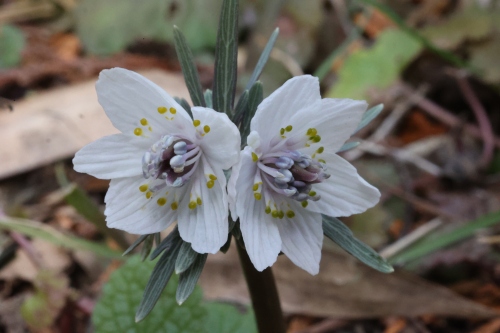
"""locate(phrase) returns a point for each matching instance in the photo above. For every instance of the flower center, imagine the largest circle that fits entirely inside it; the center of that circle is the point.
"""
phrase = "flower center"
(292, 173)
(171, 158)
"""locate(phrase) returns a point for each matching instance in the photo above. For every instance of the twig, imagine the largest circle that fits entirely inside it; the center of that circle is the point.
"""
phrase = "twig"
(28, 248)
(411, 238)
(481, 116)
(442, 114)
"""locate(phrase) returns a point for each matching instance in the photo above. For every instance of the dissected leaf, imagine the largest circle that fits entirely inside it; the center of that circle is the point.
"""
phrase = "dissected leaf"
(115, 310)
(189, 278)
(127, 20)
(12, 43)
(377, 67)
(225, 318)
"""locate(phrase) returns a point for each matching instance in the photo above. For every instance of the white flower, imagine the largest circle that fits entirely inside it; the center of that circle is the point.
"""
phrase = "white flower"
(290, 174)
(164, 167)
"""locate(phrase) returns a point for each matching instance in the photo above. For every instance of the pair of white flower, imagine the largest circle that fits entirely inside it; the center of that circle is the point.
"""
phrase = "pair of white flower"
(166, 167)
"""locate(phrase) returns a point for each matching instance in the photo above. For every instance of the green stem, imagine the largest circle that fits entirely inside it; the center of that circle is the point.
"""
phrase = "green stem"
(264, 295)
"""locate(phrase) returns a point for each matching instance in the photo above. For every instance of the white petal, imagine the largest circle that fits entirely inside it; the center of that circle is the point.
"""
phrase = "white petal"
(277, 109)
(334, 120)
(302, 237)
(127, 97)
(206, 226)
(127, 208)
(221, 145)
(232, 192)
(345, 192)
(260, 233)
(113, 156)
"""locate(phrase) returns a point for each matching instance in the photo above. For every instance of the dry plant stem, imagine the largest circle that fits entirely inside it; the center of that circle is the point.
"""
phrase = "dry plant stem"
(264, 295)
(443, 115)
(26, 245)
(482, 119)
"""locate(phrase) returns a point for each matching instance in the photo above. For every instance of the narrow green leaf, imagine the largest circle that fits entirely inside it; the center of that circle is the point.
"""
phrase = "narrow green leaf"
(437, 241)
(185, 258)
(146, 247)
(158, 280)
(188, 68)
(185, 105)
(135, 244)
(208, 98)
(348, 146)
(241, 107)
(226, 246)
(255, 97)
(189, 278)
(43, 231)
(369, 115)
(334, 229)
(263, 59)
(157, 237)
(226, 52)
(166, 243)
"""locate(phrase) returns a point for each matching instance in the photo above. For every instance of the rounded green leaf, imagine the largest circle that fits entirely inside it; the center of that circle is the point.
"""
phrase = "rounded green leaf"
(115, 311)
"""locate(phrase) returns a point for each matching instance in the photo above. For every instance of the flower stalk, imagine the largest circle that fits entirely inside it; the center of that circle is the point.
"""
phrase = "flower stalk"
(264, 295)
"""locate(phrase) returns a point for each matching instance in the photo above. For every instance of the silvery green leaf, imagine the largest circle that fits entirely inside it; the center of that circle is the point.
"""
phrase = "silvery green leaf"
(135, 244)
(189, 278)
(185, 105)
(241, 107)
(157, 237)
(255, 97)
(208, 99)
(334, 229)
(185, 258)
(226, 246)
(158, 280)
(146, 247)
(167, 243)
(188, 68)
(263, 59)
(369, 115)
(226, 51)
(348, 146)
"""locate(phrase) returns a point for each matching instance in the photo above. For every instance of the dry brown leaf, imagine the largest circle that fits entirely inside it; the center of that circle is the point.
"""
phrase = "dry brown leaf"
(342, 289)
(54, 125)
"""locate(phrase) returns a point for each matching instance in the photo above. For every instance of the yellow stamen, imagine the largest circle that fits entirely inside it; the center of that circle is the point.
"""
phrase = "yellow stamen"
(198, 201)
(281, 214)
(138, 131)
(312, 193)
(143, 188)
(255, 187)
(173, 111)
(257, 196)
(304, 204)
(162, 201)
(174, 205)
(289, 128)
(149, 194)
(206, 128)
(212, 177)
(320, 150)
(275, 214)
(192, 205)
(162, 110)
(144, 121)
(196, 122)
(255, 158)
(290, 214)
(268, 210)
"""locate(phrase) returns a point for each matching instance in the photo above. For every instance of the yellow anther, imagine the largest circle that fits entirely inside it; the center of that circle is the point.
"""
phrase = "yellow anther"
(198, 201)
(196, 122)
(290, 214)
(173, 111)
(138, 131)
(144, 121)
(143, 188)
(255, 187)
(282, 131)
(275, 214)
(150, 129)
(316, 138)
(210, 183)
(322, 160)
(304, 204)
(257, 196)
(255, 158)
(212, 177)
(149, 194)
(320, 150)
(162, 201)
(174, 205)
(268, 210)
(162, 110)
(312, 193)
(289, 128)
(206, 128)
(281, 214)
(311, 132)
(192, 205)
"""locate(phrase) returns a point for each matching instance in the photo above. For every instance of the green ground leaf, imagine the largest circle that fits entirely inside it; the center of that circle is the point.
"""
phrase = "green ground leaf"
(115, 310)
(377, 67)
(225, 318)
(107, 27)
(12, 43)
